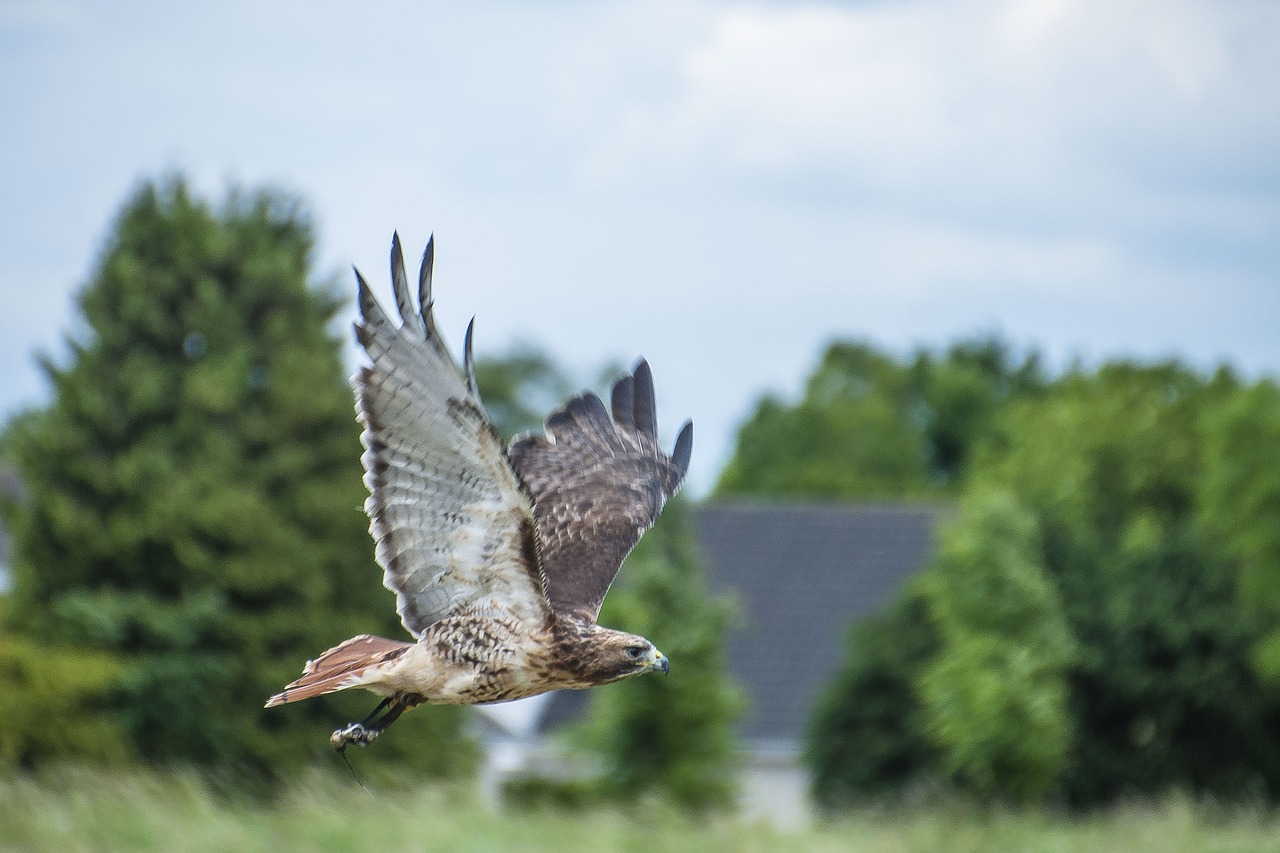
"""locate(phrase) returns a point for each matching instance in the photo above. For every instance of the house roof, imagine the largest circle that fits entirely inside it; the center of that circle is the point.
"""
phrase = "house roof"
(801, 574)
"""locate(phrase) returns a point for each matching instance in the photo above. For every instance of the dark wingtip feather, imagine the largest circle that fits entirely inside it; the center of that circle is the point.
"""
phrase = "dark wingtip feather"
(684, 449)
(424, 285)
(558, 420)
(621, 402)
(372, 316)
(645, 404)
(587, 408)
(364, 296)
(400, 283)
(397, 255)
(469, 361)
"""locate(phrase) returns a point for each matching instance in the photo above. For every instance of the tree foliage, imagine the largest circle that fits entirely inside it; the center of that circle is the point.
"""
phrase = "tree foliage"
(872, 426)
(1239, 494)
(1098, 635)
(867, 732)
(47, 697)
(1164, 692)
(520, 387)
(995, 693)
(193, 492)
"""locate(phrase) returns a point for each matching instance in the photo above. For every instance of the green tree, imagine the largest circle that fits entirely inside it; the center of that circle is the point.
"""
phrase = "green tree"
(672, 735)
(1239, 499)
(1119, 605)
(520, 387)
(193, 491)
(1163, 693)
(873, 426)
(47, 695)
(995, 692)
(867, 734)
(965, 677)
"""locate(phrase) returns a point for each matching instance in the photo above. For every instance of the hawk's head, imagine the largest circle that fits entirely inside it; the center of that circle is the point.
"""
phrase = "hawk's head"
(600, 655)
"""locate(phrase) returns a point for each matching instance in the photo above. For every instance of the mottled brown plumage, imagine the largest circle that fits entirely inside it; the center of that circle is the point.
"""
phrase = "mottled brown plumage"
(499, 558)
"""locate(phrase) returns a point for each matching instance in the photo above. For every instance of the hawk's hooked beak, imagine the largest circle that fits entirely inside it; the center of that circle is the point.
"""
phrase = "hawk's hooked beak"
(660, 662)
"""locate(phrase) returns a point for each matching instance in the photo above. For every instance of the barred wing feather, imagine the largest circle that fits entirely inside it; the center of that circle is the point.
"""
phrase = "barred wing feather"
(598, 483)
(453, 528)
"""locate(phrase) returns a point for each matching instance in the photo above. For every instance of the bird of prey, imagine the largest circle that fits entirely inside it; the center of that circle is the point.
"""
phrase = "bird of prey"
(499, 557)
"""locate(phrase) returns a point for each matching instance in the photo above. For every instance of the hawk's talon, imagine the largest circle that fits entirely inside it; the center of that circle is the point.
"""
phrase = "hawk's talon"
(357, 733)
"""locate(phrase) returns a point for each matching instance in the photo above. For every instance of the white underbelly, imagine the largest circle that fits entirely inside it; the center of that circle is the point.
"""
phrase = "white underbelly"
(480, 662)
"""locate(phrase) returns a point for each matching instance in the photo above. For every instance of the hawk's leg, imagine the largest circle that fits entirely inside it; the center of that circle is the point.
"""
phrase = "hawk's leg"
(382, 706)
(367, 730)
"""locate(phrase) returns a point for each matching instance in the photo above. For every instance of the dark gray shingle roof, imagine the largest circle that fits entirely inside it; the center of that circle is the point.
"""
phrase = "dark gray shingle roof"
(801, 574)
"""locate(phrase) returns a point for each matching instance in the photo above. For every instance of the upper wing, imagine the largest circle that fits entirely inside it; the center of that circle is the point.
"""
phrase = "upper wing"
(598, 482)
(452, 524)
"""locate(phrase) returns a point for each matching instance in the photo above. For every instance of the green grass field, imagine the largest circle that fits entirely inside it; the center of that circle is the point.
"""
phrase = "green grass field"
(133, 810)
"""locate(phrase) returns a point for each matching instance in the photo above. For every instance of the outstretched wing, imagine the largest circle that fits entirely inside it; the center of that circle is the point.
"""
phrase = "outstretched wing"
(598, 483)
(453, 527)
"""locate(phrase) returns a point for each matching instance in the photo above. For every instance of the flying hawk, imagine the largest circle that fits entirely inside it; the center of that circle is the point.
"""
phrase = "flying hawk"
(499, 558)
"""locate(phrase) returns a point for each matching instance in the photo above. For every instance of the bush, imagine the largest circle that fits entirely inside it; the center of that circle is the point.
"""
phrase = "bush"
(995, 691)
(867, 737)
(46, 701)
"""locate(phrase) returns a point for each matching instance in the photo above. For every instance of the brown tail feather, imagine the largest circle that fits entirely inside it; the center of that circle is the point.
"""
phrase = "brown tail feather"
(335, 669)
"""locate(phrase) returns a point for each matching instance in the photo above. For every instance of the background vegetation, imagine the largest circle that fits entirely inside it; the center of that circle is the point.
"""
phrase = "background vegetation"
(178, 812)
(1101, 620)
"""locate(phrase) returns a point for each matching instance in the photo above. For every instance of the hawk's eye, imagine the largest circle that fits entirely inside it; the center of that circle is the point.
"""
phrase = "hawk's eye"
(634, 652)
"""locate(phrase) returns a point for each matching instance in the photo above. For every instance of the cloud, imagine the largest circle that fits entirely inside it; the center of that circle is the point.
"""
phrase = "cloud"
(720, 186)
(918, 99)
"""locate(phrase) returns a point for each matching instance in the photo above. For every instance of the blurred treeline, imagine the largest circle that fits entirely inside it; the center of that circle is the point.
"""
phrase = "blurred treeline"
(188, 528)
(1101, 616)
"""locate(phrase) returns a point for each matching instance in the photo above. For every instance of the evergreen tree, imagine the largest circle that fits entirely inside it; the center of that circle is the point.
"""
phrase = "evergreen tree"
(193, 491)
(47, 697)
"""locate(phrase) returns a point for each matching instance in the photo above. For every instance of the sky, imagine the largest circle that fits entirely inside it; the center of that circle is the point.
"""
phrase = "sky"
(721, 187)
